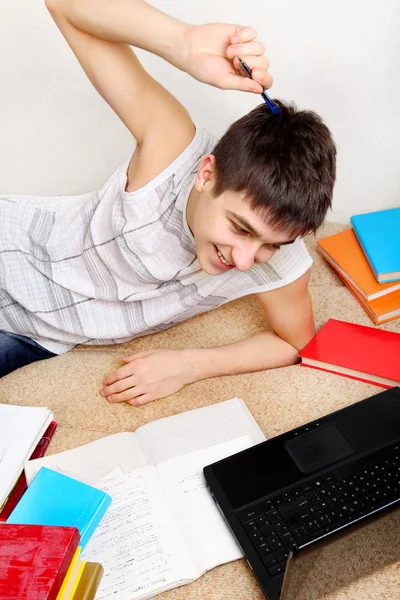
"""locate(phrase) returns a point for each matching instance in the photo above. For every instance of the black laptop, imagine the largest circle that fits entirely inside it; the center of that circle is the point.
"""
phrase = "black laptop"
(287, 497)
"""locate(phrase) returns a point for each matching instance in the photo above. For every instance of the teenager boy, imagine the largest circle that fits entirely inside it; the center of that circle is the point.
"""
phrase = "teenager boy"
(182, 227)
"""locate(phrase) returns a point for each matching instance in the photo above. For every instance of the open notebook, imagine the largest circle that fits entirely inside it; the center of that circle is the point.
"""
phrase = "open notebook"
(162, 529)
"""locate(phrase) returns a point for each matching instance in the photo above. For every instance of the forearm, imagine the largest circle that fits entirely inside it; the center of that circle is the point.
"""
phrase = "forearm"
(130, 21)
(257, 353)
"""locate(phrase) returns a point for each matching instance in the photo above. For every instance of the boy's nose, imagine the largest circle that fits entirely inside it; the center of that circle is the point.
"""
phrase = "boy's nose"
(244, 257)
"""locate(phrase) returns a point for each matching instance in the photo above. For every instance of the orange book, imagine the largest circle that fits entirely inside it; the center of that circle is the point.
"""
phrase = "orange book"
(380, 310)
(344, 253)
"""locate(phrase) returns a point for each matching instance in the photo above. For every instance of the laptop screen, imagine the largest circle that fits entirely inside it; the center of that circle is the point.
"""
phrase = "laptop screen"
(339, 561)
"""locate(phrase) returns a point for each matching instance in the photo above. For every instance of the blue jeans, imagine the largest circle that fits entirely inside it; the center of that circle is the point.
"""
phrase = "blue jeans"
(17, 351)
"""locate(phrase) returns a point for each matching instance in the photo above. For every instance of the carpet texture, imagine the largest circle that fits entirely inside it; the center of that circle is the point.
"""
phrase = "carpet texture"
(279, 400)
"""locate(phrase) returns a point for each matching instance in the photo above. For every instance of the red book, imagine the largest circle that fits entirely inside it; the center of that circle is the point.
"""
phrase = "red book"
(21, 486)
(34, 560)
(365, 353)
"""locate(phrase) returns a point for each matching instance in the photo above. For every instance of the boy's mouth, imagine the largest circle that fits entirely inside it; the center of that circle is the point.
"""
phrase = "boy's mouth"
(221, 260)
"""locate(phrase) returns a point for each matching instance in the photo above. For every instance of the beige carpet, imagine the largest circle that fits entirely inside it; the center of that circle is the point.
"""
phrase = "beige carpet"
(279, 400)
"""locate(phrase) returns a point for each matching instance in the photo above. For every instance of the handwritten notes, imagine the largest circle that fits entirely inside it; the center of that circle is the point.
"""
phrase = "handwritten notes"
(207, 536)
(162, 528)
(137, 542)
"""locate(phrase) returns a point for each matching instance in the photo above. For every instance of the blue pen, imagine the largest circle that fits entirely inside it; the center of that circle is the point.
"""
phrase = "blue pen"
(271, 105)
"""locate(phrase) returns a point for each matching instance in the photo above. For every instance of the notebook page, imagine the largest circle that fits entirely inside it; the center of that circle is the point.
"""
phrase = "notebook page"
(206, 534)
(196, 429)
(137, 542)
(27, 425)
(93, 461)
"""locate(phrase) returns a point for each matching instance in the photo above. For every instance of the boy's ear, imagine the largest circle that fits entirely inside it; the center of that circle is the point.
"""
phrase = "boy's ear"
(206, 174)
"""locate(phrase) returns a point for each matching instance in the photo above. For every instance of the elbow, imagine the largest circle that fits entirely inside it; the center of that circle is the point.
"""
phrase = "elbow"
(293, 356)
(306, 339)
(54, 6)
(50, 5)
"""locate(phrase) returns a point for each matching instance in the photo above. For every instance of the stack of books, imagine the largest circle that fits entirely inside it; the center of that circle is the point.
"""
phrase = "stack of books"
(43, 528)
(367, 258)
(40, 561)
(43, 537)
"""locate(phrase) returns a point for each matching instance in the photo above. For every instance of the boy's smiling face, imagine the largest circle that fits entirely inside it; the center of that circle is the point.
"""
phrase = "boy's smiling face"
(227, 232)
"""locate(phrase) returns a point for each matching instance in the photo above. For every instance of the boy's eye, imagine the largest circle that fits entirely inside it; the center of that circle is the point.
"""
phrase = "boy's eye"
(238, 229)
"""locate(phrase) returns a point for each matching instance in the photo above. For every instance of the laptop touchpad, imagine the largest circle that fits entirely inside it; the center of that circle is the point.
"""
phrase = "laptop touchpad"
(318, 448)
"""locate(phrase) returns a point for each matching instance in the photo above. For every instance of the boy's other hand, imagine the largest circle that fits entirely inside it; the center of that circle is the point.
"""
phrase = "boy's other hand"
(209, 54)
(147, 376)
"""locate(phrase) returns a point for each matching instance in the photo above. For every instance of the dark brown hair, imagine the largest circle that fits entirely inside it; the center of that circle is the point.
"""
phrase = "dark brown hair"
(285, 163)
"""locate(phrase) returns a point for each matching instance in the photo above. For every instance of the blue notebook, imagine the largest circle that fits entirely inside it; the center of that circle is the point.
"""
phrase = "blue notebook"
(55, 499)
(379, 236)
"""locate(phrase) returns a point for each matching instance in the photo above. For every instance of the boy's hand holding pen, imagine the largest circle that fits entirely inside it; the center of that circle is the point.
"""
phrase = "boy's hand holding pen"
(271, 105)
(210, 53)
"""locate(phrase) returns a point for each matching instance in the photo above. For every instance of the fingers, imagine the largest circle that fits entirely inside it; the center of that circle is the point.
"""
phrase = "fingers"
(133, 357)
(128, 395)
(259, 70)
(243, 34)
(132, 394)
(250, 49)
(252, 53)
(140, 400)
(261, 80)
(121, 373)
(237, 82)
(114, 392)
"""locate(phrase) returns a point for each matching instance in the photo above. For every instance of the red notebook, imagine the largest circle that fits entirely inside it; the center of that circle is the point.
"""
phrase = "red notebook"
(20, 487)
(34, 560)
(365, 353)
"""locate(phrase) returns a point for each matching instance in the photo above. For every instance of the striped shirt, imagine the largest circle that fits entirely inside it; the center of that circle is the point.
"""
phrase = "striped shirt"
(108, 266)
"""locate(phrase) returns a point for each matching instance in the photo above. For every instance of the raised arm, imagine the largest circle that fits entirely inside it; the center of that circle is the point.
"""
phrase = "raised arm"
(101, 33)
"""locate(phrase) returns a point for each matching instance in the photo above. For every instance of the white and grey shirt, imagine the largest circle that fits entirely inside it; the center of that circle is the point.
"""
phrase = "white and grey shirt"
(111, 265)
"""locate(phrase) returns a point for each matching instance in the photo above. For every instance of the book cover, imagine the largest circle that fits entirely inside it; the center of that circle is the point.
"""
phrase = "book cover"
(55, 499)
(21, 485)
(34, 560)
(344, 253)
(356, 351)
(382, 309)
(378, 234)
(89, 581)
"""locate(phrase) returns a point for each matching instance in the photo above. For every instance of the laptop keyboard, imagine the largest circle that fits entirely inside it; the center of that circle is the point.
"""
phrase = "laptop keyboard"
(322, 505)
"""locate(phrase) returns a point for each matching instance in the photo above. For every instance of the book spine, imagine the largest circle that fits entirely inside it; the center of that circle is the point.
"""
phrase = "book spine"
(92, 515)
(89, 582)
(62, 572)
(364, 249)
(44, 443)
(78, 578)
(69, 573)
